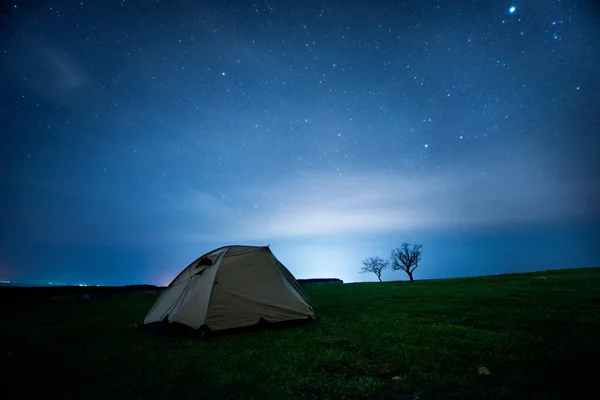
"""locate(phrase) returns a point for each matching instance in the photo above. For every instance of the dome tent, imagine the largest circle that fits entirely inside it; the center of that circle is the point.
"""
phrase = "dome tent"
(232, 287)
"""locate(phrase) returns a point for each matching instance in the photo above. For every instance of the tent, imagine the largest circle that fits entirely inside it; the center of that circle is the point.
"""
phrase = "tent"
(232, 287)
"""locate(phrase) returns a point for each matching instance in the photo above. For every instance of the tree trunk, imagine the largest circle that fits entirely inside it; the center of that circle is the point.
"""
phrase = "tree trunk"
(410, 275)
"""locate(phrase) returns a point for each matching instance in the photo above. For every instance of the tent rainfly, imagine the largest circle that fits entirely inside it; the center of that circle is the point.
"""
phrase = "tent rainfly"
(232, 287)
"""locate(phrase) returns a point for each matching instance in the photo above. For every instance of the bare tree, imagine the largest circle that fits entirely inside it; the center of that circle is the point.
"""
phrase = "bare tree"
(406, 258)
(375, 265)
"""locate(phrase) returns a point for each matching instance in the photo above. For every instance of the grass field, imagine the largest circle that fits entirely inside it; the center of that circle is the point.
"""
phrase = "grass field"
(538, 334)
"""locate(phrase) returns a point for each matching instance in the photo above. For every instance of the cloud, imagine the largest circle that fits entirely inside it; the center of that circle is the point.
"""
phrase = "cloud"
(312, 205)
(47, 69)
(66, 74)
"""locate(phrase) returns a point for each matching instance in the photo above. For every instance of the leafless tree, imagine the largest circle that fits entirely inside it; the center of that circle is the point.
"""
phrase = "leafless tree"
(406, 258)
(375, 265)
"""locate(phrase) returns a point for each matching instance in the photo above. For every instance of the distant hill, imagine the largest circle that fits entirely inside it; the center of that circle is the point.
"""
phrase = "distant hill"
(320, 281)
(83, 292)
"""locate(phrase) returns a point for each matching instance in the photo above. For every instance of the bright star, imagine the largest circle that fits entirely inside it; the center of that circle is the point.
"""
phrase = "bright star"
(426, 145)
(512, 9)
(223, 73)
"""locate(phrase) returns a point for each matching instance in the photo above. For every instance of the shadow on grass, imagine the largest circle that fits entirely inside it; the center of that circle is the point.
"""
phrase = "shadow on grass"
(177, 330)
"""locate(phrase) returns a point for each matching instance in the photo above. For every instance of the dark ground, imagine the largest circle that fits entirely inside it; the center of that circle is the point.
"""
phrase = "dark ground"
(538, 334)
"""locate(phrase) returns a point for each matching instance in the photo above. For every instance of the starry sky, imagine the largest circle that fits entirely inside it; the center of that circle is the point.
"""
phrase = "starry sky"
(137, 135)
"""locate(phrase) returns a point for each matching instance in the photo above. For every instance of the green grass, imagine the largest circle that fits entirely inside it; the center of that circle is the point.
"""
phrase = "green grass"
(538, 334)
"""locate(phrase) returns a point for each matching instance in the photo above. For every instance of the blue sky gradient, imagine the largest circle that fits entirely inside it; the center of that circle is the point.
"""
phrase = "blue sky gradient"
(138, 135)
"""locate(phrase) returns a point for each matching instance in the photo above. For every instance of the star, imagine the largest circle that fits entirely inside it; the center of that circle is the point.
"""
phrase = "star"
(512, 9)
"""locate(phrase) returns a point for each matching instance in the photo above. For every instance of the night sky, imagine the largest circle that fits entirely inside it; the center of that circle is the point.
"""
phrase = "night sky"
(137, 135)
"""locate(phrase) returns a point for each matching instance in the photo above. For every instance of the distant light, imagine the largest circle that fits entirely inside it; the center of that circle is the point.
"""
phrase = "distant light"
(512, 9)
(426, 145)
(223, 73)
